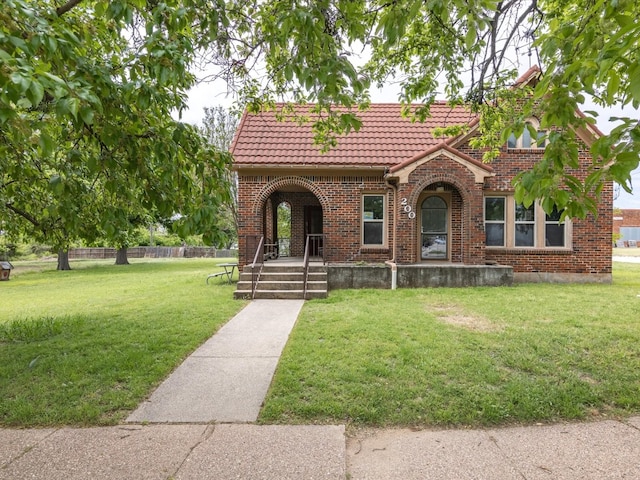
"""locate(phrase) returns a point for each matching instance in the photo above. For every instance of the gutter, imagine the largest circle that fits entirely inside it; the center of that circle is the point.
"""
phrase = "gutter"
(392, 262)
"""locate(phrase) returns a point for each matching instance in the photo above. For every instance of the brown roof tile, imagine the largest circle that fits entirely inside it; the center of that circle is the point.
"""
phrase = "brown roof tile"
(386, 138)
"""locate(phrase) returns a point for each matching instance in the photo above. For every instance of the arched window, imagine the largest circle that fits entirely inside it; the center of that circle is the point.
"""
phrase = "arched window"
(532, 137)
(434, 228)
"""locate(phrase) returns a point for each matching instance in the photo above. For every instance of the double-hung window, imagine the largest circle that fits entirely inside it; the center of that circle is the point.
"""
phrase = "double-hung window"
(525, 225)
(373, 216)
(494, 221)
(554, 231)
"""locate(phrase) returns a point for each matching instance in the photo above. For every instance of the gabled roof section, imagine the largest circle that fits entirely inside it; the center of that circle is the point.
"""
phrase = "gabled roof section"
(480, 170)
(385, 139)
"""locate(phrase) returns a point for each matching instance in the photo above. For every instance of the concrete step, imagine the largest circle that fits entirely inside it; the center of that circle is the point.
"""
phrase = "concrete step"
(279, 294)
(269, 285)
(281, 281)
(280, 268)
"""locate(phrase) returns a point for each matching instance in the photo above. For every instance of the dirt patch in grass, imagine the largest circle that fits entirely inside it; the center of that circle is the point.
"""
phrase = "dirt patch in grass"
(454, 315)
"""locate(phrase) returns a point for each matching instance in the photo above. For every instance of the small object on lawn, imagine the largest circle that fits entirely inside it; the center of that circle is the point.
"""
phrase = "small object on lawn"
(5, 270)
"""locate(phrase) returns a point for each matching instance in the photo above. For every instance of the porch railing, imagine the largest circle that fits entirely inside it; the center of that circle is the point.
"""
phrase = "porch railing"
(256, 267)
(314, 246)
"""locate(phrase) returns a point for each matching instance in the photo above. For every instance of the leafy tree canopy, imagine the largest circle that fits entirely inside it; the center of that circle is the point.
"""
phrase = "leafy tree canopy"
(104, 75)
(308, 51)
(87, 138)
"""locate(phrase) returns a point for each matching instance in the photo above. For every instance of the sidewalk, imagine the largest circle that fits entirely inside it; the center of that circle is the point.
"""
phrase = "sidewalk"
(591, 451)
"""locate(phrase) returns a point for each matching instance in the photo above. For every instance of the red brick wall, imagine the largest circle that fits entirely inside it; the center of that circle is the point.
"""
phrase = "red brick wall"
(340, 199)
(591, 240)
(630, 218)
(467, 231)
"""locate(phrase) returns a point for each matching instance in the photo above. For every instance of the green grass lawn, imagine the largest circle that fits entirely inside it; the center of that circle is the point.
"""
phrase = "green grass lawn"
(474, 356)
(84, 347)
(626, 252)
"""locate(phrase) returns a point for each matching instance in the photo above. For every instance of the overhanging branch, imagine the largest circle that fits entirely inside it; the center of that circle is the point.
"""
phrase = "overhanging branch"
(66, 7)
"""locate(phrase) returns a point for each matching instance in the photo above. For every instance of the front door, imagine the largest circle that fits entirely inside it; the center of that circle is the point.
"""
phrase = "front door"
(313, 225)
(434, 231)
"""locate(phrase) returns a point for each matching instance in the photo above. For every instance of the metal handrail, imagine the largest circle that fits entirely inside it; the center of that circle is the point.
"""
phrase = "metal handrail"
(258, 261)
(305, 267)
(312, 239)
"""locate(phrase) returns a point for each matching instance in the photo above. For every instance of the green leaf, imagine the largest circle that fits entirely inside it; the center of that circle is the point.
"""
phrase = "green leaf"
(35, 93)
(86, 113)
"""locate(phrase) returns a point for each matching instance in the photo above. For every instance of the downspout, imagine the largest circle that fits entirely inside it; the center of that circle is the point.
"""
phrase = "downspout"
(392, 262)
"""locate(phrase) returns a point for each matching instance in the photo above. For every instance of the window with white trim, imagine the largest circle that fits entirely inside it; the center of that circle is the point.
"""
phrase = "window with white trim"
(494, 221)
(532, 137)
(512, 225)
(373, 220)
(525, 225)
(554, 230)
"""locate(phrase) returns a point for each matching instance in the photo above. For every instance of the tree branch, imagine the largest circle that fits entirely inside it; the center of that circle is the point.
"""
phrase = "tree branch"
(66, 7)
(30, 218)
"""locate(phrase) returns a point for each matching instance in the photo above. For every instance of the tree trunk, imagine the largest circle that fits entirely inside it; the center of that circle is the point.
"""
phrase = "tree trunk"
(121, 256)
(63, 260)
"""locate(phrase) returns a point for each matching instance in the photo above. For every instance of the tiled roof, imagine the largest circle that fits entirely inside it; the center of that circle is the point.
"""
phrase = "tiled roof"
(386, 138)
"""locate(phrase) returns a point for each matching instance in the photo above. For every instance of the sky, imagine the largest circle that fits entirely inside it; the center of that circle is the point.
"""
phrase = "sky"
(212, 94)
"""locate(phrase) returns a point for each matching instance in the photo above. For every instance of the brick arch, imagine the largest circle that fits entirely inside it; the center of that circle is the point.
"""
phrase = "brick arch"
(278, 183)
(465, 194)
(442, 177)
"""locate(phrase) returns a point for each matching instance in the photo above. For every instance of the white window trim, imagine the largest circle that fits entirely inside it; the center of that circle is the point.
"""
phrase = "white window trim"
(534, 141)
(385, 211)
(533, 222)
(540, 228)
(501, 222)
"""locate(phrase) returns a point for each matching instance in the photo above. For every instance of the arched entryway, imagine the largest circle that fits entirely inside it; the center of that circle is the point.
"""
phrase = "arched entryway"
(290, 210)
(440, 223)
(434, 228)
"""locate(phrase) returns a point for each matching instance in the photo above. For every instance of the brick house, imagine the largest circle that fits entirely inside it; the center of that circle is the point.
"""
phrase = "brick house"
(394, 193)
(626, 223)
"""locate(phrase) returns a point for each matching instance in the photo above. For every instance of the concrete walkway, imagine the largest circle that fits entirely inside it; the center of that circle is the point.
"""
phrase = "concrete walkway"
(227, 378)
(583, 451)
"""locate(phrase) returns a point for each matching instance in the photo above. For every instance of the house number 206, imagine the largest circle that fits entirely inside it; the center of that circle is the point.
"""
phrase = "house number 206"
(407, 208)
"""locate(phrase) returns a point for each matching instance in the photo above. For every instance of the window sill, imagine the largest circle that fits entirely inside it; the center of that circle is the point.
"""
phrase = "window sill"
(372, 249)
(532, 250)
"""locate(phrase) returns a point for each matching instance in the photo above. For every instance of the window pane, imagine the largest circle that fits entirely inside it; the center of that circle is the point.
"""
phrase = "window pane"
(434, 202)
(541, 139)
(436, 220)
(525, 214)
(373, 207)
(373, 233)
(494, 208)
(511, 142)
(495, 234)
(554, 216)
(434, 246)
(526, 138)
(554, 235)
(524, 234)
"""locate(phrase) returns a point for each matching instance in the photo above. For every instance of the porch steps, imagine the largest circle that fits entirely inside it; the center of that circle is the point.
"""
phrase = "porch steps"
(281, 281)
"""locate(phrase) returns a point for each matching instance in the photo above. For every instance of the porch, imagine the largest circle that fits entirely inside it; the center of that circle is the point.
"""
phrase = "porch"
(379, 275)
(418, 275)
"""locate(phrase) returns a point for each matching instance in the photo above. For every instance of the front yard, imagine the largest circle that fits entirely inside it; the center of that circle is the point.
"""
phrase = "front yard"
(85, 347)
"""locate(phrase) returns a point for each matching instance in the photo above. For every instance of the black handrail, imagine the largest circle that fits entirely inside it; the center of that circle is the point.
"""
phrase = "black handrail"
(305, 267)
(315, 242)
(258, 261)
